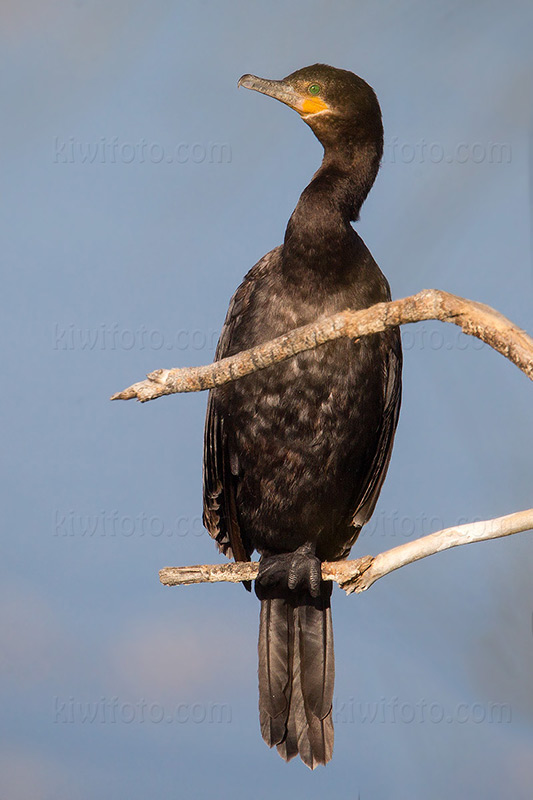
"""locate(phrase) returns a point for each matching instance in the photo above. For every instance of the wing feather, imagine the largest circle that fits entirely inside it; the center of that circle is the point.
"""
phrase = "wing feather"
(391, 410)
(220, 468)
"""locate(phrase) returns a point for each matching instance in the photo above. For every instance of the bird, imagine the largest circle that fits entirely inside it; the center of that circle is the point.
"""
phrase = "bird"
(295, 455)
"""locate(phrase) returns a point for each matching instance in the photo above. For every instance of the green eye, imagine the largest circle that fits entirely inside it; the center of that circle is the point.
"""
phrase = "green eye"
(315, 88)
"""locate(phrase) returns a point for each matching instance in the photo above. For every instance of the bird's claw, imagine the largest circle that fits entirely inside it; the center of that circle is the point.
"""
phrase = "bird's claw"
(299, 571)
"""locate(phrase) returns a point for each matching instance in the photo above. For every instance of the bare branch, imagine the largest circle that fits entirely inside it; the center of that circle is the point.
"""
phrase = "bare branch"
(359, 574)
(473, 318)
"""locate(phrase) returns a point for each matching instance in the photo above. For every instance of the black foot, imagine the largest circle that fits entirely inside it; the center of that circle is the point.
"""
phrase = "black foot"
(299, 571)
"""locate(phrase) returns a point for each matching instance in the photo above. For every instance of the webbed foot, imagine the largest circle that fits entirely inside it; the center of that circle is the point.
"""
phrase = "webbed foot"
(298, 571)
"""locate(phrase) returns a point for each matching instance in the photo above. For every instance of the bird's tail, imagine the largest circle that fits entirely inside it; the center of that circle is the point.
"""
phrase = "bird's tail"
(297, 674)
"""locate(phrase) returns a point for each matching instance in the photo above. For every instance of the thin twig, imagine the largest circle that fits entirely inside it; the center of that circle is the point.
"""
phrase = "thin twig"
(359, 574)
(473, 318)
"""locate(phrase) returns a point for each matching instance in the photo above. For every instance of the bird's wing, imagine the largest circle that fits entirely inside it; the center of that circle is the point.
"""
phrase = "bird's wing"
(393, 392)
(219, 469)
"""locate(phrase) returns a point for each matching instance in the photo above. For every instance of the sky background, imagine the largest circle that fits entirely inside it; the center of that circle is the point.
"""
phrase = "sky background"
(139, 187)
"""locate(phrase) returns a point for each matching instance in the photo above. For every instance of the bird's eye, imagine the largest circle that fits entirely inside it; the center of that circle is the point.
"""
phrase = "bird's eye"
(314, 88)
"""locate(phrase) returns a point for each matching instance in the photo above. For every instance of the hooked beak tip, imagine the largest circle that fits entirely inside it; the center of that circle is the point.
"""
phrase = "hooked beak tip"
(247, 81)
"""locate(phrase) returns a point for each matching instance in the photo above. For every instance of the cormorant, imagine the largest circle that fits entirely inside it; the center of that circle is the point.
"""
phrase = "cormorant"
(295, 455)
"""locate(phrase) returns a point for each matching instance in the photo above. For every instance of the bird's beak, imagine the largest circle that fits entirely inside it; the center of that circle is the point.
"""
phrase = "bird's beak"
(285, 93)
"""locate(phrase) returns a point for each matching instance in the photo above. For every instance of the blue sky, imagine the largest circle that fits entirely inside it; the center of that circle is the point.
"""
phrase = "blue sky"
(139, 187)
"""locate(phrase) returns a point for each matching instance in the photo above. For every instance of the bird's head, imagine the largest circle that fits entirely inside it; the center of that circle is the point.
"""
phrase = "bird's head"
(340, 107)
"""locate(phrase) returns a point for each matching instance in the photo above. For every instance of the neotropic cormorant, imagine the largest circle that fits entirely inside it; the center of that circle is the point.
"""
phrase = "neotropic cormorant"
(295, 455)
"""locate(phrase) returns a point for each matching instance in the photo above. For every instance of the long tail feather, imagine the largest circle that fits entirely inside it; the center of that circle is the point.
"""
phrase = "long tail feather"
(296, 675)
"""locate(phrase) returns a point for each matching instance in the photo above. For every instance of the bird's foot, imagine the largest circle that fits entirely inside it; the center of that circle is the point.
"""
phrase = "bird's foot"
(299, 571)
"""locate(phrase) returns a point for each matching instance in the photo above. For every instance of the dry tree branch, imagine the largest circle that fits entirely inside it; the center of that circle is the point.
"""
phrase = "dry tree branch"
(473, 318)
(359, 574)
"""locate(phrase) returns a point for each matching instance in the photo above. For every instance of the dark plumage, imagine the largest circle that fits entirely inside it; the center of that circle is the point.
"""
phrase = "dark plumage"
(296, 454)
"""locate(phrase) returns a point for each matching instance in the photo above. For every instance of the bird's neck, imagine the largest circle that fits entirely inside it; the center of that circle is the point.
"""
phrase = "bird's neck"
(320, 227)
